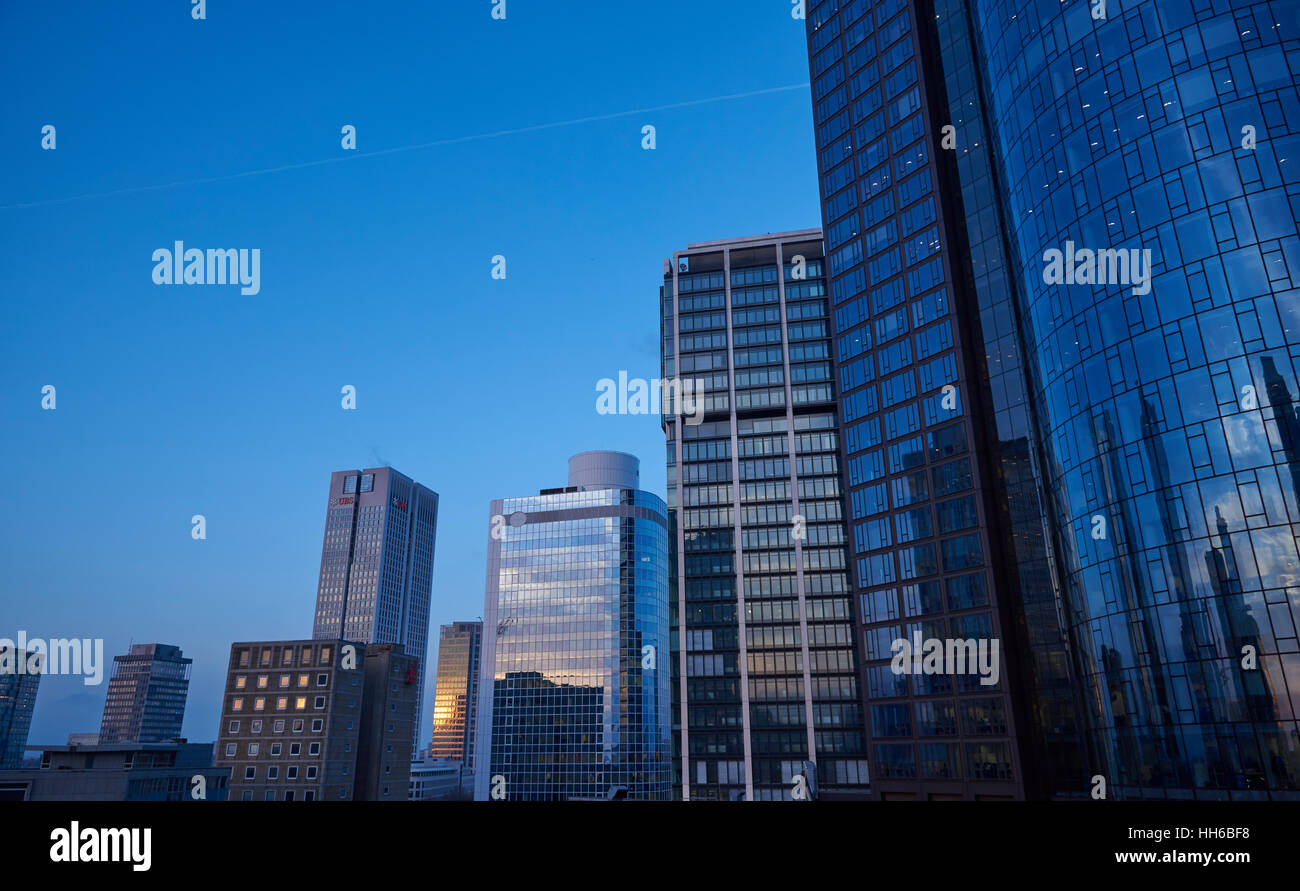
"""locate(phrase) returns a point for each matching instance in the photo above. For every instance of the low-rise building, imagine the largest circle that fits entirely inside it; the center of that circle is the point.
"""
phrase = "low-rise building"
(162, 771)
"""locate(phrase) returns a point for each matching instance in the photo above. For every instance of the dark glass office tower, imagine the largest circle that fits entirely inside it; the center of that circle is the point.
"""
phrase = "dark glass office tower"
(764, 664)
(17, 702)
(1128, 424)
(376, 567)
(574, 699)
(146, 695)
(948, 530)
(455, 698)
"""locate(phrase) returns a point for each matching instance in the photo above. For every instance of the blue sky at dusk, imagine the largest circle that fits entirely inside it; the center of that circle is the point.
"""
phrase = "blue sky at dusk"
(375, 272)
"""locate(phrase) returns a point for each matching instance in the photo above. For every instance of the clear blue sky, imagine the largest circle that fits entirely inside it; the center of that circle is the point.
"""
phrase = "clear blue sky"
(375, 272)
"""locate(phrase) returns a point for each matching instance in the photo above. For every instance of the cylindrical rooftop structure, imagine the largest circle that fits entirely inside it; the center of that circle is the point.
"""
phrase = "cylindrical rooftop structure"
(605, 470)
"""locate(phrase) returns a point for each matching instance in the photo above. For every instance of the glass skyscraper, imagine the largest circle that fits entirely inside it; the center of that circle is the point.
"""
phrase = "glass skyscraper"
(455, 697)
(765, 674)
(146, 695)
(376, 567)
(1126, 428)
(17, 702)
(574, 698)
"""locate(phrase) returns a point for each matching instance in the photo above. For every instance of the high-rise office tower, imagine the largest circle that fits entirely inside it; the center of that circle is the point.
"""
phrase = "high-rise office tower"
(376, 566)
(574, 699)
(765, 677)
(146, 695)
(1063, 258)
(316, 720)
(17, 702)
(455, 698)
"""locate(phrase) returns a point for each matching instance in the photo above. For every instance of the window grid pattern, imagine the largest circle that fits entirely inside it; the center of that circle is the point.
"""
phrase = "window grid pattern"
(913, 465)
(579, 697)
(1168, 412)
(761, 342)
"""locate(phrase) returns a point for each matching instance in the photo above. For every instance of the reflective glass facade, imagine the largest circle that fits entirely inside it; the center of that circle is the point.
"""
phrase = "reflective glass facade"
(17, 702)
(925, 487)
(455, 699)
(574, 695)
(1133, 421)
(1168, 410)
(765, 667)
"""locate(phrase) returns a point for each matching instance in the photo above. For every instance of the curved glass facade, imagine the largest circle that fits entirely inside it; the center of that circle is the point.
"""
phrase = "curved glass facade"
(1150, 173)
(575, 697)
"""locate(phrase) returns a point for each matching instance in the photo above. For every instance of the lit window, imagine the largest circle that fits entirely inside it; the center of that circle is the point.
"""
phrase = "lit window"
(240, 682)
(300, 703)
(262, 681)
(259, 703)
(237, 704)
(281, 703)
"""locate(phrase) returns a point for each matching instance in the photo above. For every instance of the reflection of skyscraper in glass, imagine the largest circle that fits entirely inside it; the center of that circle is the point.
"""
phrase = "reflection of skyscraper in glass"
(574, 700)
(376, 565)
(17, 702)
(455, 699)
(1286, 415)
(146, 695)
(1146, 396)
(1240, 632)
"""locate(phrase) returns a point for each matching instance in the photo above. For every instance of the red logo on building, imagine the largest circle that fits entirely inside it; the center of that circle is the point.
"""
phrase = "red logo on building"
(412, 675)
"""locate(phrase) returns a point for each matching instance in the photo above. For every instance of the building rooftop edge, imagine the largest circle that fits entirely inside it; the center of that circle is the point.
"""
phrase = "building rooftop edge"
(754, 239)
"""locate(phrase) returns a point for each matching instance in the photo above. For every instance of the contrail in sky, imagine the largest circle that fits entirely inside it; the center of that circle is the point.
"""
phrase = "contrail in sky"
(353, 155)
